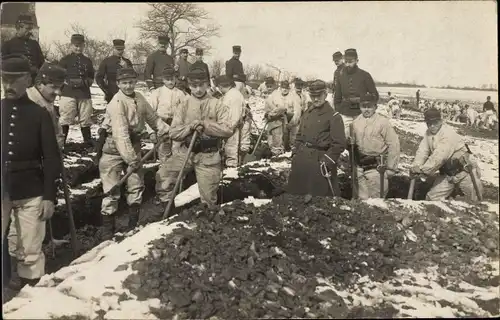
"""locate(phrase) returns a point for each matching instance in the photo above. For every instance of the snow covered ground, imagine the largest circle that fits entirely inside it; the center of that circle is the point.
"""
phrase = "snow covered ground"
(93, 284)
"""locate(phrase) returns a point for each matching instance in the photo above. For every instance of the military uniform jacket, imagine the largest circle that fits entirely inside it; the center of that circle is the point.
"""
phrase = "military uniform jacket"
(276, 104)
(375, 136)
(202, 65)
(184, 67)
(352, 84)
(435, 150)
(235, 103)
(31, 161)
(234, 67)
(155, 64)
(28, 47)
(127, 118)
(106, 74)
(209, 109)
(79, 76)
(488, 105)
(37, 97)
(164, 101)
(336, 75)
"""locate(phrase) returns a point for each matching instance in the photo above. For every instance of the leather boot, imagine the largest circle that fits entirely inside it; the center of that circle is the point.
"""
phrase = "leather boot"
(133, 215)
(65, 130)
(108, 223)
(87, 137)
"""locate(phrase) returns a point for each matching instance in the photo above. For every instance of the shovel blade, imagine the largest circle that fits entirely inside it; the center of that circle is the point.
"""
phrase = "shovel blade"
(249, 158)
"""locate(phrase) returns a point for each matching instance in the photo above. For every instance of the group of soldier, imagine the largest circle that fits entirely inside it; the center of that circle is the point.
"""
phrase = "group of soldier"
(185, 121)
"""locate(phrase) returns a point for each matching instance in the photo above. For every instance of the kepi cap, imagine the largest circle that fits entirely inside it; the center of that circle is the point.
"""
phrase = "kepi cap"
(52, 73)
(299, 84)
(269, 81)
(351, 53)
(25, 18)
(337, 55)
(368, 99)
(197, 75)
(163, 39)
(125, 73)
(317, 87)
(432, 115)
(236, 49)
(224, 81)
(168, 72)
(184, 50)
(77, 39)
(15, 65)
(119, 43)
(199, 51)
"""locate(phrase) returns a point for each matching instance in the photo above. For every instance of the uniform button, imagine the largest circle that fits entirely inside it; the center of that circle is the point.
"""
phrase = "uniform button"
(12, 125)
(11, 143)
(14, 108)
(11, 153)
(13, 116)
(11, 134)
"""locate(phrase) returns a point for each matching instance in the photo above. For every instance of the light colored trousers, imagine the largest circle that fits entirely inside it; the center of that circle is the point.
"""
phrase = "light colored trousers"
(110, 170)
(347, 123)
(24, 215)
(369, 184)
(164, 153)
(444, 185)
(292, 134)
(69, 108)
(231, 147)
(207, 167)
(275, 140)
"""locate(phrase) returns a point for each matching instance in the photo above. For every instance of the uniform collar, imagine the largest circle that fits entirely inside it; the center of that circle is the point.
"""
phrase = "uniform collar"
(320, 109)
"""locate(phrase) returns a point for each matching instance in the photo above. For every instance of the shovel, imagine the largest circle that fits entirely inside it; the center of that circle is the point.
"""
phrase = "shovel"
(129, 173)
(251, 156)
(166, 214)
(411, 190)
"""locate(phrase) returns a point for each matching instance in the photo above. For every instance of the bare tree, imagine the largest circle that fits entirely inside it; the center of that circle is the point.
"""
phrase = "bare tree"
(139, 52)
(48, 53)
(187, 24)
(95, 49)
(217, 67)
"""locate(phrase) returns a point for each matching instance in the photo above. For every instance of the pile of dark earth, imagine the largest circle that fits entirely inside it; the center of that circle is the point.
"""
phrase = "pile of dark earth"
(244, 261)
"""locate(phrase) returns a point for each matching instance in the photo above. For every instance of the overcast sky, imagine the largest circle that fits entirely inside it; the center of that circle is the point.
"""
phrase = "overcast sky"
(432, 43)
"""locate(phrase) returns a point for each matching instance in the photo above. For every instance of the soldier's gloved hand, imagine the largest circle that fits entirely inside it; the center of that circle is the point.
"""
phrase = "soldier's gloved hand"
(416, 170)
(133, 167)
(46, 210)
(390, 173)
(153, 138)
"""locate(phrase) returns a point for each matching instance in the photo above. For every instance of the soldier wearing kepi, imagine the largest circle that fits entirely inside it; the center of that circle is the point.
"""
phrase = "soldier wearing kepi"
(30, 167)
(377, 145)
(183, 66)
(24, 45)
(443, 149)
(282, 111)
(234, 101)
(234, 67)
(199, 64)
(48, 85)
(321, 138)
(305, 99)
(207, 115)
(352, 84)
(157, 62)
(106, 74)
(128, 112)
(75, 97)
(338, 59)
(165, 100)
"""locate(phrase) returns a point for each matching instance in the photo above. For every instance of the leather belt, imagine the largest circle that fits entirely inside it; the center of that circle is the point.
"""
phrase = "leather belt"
(315, 146)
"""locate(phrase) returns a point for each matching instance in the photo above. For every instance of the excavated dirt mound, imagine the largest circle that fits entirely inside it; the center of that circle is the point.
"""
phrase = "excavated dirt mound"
(252, 262)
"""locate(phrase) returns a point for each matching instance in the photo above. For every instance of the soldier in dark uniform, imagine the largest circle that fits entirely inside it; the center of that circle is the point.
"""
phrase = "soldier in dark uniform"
(199, 64)
(76, 98)
(338, 59)
(157, 62)
(352, 84)
(106, 74)
(23, 44)
(234, 67)
(31, 164)
(321, 138)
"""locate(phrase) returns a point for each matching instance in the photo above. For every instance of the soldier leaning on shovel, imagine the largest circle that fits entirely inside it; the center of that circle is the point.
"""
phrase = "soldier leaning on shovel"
(443, 149)
(320, 141)
(126, 116)
(210, 119)
(106, 74)
(31, 164)
(377, 150)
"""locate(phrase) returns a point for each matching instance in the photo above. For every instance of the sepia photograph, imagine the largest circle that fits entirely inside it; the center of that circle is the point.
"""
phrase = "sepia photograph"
(250, 160)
